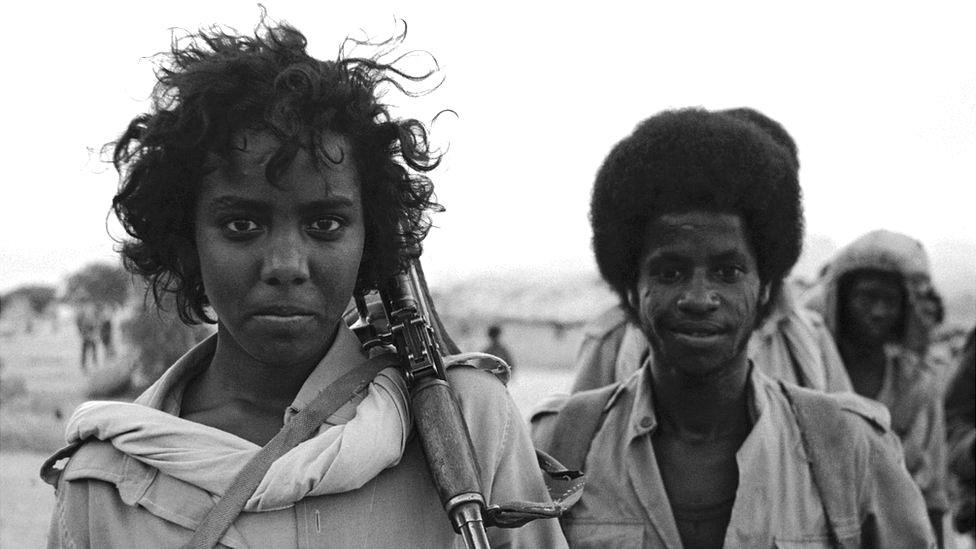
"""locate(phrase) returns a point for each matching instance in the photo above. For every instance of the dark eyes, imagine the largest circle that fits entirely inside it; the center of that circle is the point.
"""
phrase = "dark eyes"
(325, 227)
(725, 273)
(729, 273)
(669, 275)
(241, 227)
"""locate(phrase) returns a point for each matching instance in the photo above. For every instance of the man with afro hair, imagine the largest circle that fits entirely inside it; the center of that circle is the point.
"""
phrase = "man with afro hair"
(696, 220)
(792, 343)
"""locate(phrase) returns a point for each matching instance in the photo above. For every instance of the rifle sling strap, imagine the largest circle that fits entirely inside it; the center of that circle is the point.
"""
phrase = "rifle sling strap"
(306, 422)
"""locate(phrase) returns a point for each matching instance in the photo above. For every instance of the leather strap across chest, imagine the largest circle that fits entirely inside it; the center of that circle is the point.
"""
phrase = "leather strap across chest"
(306, 422)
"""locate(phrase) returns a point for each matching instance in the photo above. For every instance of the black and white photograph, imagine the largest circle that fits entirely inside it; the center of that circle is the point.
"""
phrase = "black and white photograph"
(505, 275)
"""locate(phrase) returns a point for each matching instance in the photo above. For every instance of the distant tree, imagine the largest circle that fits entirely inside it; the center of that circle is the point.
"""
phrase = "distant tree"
(38, 296)
(154, 338)
(100, 283)
(158, 338)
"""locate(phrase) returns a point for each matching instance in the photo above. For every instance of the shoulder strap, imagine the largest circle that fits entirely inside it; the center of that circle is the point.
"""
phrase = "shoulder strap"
(830, 445)
(577, 423)
(223, 514)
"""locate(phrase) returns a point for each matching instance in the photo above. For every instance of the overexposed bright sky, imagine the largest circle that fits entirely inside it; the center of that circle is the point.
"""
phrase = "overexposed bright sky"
(881, 100)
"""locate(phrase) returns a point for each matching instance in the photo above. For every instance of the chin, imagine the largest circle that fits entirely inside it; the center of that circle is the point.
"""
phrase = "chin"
(698, 366)
(287, 352)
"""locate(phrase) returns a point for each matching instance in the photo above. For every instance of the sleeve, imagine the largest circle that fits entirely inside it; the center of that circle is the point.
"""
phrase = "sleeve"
(518, 477)
(69, 525)
(893, 510)
(507, 461)
(925, 450)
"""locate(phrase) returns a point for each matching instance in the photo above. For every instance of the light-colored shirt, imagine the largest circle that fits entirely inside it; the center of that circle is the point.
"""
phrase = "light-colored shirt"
(108, 499)
(777, 504)
(911, 392)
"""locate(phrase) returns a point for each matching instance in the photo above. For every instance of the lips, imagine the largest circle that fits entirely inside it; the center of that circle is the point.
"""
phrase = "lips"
(696, 329)
(284, 311)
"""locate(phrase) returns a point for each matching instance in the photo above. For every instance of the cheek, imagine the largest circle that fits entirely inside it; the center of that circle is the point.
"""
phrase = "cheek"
(223, 269)
(651, 302)
(746, 298)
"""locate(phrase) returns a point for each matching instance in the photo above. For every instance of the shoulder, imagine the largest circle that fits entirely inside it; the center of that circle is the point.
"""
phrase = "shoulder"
(583, 410)
(89, 480)
(859, 409)
(610, 322)
(846, 410)
(476, 387)
(917, 381)
(849, 435)
(94, 459)
(488, 409)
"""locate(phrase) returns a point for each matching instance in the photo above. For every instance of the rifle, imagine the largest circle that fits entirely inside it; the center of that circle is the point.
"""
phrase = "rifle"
(413, 328)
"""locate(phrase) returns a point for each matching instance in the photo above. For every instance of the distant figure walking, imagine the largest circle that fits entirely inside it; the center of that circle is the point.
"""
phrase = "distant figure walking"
(496, 347)
(105, 331)
(87, 322)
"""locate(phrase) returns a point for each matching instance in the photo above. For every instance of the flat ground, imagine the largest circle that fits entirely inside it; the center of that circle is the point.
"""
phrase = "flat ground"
(41, 383)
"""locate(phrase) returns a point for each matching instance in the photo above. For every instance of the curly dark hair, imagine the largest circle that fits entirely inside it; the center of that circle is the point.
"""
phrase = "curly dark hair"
(693, 159)
(215, 84)
(768, 125)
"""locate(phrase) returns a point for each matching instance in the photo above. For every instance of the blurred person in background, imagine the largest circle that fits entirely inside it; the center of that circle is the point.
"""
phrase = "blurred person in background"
(792, 343)
(870, 298)
(497, 348)
(86, 320)
(960, 408)
(105, 331)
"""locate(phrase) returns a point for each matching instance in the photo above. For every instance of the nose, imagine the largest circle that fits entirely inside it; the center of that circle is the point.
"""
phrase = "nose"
(699, 297)
(285, 260)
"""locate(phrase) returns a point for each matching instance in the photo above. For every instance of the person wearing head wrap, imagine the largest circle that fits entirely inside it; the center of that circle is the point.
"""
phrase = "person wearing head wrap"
(870, 295)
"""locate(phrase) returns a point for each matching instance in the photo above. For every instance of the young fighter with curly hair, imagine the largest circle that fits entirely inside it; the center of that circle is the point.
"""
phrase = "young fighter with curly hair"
(263, 188)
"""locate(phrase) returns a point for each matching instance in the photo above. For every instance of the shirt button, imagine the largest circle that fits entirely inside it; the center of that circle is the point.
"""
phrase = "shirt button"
(646, 422)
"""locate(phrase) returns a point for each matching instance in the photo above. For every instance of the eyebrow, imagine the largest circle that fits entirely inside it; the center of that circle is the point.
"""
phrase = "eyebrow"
(230, 202)
(334, 202)
(728, 255)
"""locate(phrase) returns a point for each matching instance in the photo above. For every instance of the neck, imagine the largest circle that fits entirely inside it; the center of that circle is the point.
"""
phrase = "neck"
(235, 374)
(709, 407)
(861, 355)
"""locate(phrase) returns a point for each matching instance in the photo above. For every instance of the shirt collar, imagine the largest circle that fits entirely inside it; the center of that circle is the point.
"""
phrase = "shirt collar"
(643, 419)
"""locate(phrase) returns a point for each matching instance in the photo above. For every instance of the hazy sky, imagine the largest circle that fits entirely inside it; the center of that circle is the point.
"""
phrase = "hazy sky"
(880, 99)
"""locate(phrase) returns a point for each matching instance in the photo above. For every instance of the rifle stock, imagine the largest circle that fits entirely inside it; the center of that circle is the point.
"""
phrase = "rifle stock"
(418, 335)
